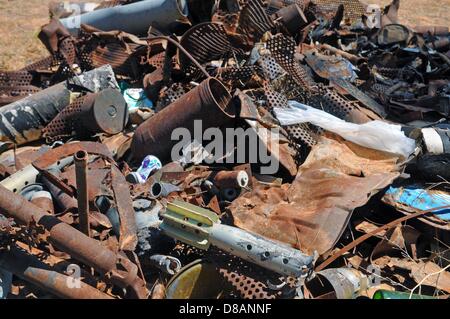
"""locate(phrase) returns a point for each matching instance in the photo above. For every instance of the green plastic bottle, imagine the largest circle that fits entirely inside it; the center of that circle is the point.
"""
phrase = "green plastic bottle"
(386, 294)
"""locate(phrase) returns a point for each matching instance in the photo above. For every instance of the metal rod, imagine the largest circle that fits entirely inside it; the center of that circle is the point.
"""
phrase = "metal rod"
(116, 267)
(180, 47)
(31, 269)
(81, 161)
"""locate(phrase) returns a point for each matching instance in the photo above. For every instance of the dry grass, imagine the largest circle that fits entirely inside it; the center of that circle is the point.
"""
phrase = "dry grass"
(420, 12)
(20, 21)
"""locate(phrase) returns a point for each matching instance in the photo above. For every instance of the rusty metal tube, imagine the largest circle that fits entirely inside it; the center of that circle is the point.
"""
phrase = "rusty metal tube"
(81, 161)
(209, 102)
(44, 200)
(64, 201)
(69, 240)
(236, 179)
(352, 58)
(31, 269)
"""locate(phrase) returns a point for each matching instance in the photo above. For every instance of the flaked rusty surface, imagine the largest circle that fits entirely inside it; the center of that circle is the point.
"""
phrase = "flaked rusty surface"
(312, 213)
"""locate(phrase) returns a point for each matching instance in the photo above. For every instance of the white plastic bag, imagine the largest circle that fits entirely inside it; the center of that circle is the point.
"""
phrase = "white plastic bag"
(376, 135)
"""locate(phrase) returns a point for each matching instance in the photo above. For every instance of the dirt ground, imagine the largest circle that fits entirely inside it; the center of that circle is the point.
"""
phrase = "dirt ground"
(20, 21)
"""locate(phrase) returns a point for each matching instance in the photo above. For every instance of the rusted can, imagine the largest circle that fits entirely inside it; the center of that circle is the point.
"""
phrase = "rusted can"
(209, 102)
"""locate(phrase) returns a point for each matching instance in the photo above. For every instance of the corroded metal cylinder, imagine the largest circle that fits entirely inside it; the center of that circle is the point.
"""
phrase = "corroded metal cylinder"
(119, 269)
(81, 162)
(103, 112)
(236, 179)
(208, 102)
(31, 269)
(22, 122)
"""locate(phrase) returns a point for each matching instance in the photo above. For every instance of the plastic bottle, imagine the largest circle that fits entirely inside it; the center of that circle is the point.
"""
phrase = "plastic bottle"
(150, 164)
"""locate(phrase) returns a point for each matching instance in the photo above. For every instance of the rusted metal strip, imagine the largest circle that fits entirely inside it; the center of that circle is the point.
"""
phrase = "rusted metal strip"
(64, 151)
(363, 238)
(128, 228)
(363, 98)
(67, 150)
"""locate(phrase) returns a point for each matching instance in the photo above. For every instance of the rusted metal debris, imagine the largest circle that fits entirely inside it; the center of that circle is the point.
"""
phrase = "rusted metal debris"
(226, 200)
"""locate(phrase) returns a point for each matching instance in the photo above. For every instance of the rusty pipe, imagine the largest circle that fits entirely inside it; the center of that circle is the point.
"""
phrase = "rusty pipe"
(351, 57)
(64, 202)
(32, 270)
(44, 200)
(81, 161)
(114, 266)
(234, 179)
(209, 102)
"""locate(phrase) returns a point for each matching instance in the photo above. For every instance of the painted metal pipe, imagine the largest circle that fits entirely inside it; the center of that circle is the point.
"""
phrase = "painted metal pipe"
(22, 122)
(81, 162)
(135, 18)
(119, 269)
(209, 102)
(31, 269)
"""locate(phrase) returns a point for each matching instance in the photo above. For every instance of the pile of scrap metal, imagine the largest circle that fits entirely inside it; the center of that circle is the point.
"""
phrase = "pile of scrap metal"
(95, 202)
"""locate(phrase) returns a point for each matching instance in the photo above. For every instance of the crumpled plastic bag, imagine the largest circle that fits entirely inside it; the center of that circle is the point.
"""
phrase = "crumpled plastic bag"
(376, 135)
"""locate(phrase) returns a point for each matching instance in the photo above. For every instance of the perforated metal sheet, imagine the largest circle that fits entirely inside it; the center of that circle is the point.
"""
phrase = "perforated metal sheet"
(270, 67)
(248, 280)
(353, 9)
(43, 64)
(157, 60)
(176, 91)
(115, 55)
(205, 42)
(332, 102)
(238, 77)
(62, 126)
(392, 73)
(18, 78)
(299, 134)
(68, 51)
(254, 21)
(18, 91)
(229, 21)
(283, 50)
